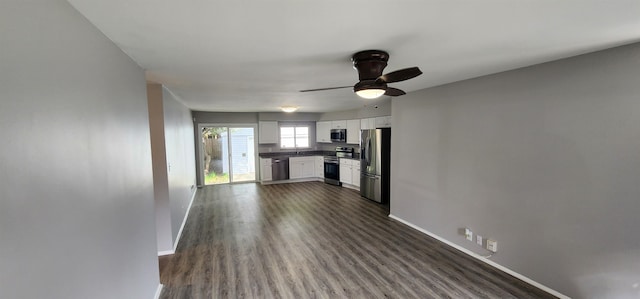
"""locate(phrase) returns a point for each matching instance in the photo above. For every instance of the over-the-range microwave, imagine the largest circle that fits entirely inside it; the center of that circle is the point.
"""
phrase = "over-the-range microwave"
(338, 135)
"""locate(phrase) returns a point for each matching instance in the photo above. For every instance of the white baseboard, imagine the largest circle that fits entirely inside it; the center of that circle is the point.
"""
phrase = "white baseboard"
(166, 252)
(483, 259)
(158, 291)
(184, 221)
(313, 179)
(353, 187)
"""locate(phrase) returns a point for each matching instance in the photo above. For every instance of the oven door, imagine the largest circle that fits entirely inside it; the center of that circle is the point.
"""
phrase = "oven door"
(332, 172)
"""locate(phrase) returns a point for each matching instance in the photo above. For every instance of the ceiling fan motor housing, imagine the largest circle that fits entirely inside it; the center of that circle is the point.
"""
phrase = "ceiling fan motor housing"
(370, 64)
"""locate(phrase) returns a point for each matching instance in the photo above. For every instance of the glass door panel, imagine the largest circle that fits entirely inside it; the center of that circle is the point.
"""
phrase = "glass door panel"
(242, 149)
(228, 154)
(215, 143)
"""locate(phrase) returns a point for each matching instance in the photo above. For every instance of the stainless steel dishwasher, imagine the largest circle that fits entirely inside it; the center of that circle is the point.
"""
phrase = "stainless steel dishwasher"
(280, 168)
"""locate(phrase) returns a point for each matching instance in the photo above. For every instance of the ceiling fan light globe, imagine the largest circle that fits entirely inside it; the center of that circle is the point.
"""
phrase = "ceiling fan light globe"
(372, 93)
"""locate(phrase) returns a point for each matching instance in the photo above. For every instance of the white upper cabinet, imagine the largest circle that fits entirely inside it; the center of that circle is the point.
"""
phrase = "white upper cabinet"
(339, 124)
(353, 127)
(368, 123)
(383, 122)
(353, 131)
(268, 132)
(323, 131)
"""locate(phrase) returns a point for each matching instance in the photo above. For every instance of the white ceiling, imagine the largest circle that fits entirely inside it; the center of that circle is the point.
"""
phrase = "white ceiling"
(251, 55)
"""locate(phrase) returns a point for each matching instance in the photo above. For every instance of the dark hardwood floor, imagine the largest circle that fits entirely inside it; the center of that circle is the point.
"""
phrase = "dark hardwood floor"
(312, 240)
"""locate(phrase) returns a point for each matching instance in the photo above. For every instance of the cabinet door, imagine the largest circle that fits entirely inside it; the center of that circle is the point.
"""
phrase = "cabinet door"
(345, 170)
(383, 122)
(266, 173)
(301, 167)
(353, 131)
(265, 169)
(268, 132)
(364, 124)
(323, 131)
(368, 123)
(308, 168)
(345, 173)
(355, 174)
(339, 124)
(295, 169)
(319, 166)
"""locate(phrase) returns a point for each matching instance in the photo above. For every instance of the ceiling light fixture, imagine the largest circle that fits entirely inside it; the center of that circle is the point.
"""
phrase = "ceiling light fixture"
(289, 109)
(370, 93)
(370, 89)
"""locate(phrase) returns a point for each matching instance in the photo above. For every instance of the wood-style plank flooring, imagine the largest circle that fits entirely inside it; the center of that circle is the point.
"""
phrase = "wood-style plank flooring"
(312, 240)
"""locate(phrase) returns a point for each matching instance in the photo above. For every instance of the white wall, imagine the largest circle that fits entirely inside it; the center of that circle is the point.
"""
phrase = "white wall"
(174, 174)
(543, 159)
(164, 233)
(181, 172)
(293, 117)
(76, 193)
(380, 107)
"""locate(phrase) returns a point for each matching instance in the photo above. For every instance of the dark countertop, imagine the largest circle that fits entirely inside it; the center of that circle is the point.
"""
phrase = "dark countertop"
(356, 156)
(297, 154)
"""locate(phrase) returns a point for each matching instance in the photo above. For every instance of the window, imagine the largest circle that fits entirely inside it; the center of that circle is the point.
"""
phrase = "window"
(294, 137)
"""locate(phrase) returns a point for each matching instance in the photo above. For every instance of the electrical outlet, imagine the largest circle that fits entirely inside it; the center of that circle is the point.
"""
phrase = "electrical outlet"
(492, 245)
(468, 234)
(479, 240)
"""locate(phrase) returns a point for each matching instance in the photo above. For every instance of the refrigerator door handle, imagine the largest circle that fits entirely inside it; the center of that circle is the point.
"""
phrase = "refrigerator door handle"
(364, 151)
(369, 151)
(371, 176)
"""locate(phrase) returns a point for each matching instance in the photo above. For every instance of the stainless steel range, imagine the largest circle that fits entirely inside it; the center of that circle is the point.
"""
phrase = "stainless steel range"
(332, 165)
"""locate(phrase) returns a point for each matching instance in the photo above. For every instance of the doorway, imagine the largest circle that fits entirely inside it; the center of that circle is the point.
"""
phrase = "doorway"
(228, 154)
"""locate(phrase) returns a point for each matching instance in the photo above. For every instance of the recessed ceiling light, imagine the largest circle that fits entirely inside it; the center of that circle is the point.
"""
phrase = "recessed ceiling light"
(289, 109)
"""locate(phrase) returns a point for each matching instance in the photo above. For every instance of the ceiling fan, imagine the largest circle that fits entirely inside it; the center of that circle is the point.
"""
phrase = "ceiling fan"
(373, 83)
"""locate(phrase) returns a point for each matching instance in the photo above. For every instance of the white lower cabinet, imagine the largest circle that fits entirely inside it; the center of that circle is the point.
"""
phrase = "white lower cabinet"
(350, 172)
(265, 169)
(345, 171)
(355, 173)
(319, 166)
(301, 167)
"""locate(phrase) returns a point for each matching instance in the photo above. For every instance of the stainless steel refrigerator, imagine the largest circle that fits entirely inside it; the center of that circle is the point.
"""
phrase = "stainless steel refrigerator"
(375, 166)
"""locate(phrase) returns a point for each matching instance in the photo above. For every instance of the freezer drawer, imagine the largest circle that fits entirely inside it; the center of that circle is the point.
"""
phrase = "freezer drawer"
(371, 187)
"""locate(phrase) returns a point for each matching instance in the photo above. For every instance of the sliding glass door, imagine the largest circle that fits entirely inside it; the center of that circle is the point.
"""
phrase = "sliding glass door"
(228, 154)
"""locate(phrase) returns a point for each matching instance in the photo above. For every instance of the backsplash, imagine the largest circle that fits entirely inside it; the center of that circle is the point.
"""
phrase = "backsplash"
(274, 148)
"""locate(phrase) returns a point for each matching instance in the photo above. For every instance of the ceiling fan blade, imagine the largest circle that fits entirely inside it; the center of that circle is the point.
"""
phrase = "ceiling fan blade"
(400, 75)
(327, 88)
(393, 92)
